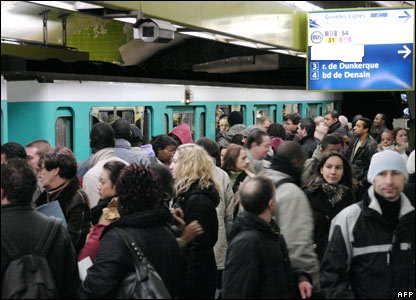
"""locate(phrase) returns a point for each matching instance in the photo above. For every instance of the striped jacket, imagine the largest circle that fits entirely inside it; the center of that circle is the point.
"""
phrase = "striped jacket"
(365, 258)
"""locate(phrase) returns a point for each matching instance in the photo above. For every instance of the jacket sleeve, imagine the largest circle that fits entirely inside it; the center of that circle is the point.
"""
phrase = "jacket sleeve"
(334, 268)
(241, 276)
(295, 219)
(104, 276)
(78, 219)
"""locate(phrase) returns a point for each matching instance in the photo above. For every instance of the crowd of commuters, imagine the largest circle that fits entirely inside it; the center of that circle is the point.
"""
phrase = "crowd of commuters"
(308, 208)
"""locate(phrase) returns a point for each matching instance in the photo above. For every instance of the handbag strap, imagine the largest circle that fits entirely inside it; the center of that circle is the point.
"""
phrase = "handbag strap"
(141, 263)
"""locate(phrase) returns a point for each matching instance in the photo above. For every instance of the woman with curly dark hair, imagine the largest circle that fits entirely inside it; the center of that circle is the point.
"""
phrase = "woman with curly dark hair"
(144, 217)
(329, 191)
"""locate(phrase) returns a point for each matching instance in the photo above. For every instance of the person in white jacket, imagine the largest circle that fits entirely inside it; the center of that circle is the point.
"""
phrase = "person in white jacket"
(102, 144)
(294, 214)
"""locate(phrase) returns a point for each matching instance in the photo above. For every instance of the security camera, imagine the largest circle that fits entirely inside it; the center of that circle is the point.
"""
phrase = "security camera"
(153, 31)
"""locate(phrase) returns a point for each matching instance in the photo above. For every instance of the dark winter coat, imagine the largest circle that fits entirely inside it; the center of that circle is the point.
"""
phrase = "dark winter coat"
(74, 205)
(258, 265)
(113, 261)
(360, 162)
(199, 204)
(409, 188)
(337, 128)
(366, 258)
(324, 211)
(25, 226)
(308, 144)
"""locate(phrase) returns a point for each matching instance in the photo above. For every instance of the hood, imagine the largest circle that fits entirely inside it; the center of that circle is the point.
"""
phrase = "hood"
(183, 132)
(236, 129)
(209, 192)
(246, 221)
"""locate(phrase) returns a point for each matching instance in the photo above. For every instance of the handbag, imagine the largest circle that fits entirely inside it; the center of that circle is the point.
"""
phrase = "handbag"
(145, 282)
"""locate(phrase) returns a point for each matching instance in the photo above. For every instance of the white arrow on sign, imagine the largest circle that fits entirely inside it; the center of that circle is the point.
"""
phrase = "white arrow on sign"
(406, 51)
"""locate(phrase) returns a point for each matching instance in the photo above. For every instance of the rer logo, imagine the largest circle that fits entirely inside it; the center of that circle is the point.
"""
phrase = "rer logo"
(317, 37)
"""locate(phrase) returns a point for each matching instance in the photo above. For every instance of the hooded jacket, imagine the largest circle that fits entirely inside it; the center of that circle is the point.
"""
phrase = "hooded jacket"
(199, 204)
(258, 265)
(183, 132)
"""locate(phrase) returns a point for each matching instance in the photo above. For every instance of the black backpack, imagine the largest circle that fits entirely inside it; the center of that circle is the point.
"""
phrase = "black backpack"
(29, 276)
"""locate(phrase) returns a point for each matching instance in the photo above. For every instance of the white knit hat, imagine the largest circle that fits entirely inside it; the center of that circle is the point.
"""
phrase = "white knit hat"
(384, 161)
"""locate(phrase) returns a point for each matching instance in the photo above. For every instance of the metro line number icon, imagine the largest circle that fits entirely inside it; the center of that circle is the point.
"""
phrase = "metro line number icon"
(317, 37)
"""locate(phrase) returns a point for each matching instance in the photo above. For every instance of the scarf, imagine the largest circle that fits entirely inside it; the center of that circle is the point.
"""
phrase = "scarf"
(283, 165)
(334, 192)
(53, 193)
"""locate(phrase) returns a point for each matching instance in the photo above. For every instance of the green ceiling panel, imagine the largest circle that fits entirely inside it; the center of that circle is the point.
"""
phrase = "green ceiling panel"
(267, 22)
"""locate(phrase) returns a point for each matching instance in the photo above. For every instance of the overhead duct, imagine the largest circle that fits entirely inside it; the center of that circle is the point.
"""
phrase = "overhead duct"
(252, 63)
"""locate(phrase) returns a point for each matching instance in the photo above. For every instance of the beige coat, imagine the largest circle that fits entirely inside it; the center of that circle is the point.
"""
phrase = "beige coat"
(225, 216)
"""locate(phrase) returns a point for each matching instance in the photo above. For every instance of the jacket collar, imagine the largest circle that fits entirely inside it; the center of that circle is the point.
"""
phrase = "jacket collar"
(405, 205)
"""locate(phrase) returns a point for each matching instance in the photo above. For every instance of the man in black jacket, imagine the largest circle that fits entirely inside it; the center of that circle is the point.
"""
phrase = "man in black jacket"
(371, 249)
(254, 235)
(306, 131)
(58, 169)
(362, 150)
(333, 123)
(25, 226)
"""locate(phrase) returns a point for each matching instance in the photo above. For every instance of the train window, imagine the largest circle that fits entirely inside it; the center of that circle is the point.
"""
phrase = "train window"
(290, 108)
(312, 110)
(202, 125)
(63, 132)
(132, 114)
(329, 106)
(225, 109)
(166, 124)
(261, 113)
(181, 117)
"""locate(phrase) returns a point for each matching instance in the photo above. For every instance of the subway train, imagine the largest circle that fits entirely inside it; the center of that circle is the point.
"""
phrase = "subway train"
(63, 110)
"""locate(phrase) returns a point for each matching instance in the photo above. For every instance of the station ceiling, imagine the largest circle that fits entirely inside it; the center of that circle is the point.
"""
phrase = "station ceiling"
(23, 20)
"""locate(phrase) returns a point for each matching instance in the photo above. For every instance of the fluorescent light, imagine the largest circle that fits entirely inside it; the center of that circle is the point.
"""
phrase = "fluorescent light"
(127, 20)
(303, 5)
(83, 5)
(56, 4)
(199, 34)
(244, 43)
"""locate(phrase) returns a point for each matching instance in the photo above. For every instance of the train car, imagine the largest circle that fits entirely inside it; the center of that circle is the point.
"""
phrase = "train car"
(63, 111)
(4, 115)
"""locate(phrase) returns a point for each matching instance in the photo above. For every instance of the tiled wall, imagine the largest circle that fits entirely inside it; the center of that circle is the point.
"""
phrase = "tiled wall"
(102, 41)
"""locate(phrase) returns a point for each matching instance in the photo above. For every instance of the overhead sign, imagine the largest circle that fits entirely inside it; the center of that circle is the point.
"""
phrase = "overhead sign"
(365, 49)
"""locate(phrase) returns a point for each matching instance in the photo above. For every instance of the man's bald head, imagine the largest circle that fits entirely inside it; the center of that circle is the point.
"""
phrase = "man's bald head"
(256, 193)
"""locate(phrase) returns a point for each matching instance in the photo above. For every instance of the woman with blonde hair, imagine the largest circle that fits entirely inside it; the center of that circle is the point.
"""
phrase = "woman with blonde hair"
(196, 194)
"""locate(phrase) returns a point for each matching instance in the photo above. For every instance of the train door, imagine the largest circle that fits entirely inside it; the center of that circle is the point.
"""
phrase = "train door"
(194, 116)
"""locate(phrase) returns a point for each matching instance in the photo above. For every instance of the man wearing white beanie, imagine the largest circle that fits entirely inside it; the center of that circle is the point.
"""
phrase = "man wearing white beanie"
(371, 250)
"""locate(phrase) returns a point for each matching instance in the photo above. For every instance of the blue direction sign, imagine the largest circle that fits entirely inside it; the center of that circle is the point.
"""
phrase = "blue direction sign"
(355, 50)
